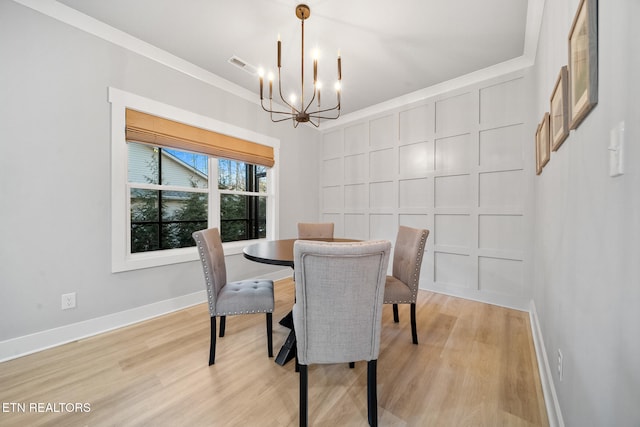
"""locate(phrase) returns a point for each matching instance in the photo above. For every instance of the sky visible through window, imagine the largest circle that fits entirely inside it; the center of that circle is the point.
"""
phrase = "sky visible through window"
(195, 160)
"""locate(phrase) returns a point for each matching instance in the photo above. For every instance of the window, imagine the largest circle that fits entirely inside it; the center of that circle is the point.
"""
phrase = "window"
(168, 195)
(161, 190)
(243, 200)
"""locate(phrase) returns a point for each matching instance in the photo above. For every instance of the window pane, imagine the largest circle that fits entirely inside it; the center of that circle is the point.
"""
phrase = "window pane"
(184, 169)
(143, 163)
(165, 219)
(232, 175)
(242, 217)
(261, 177)
(153, 165)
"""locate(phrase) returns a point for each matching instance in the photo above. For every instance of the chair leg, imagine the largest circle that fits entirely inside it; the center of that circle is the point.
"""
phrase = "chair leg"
(372, 392)
(212, 348)
(414, 332)
(223, 323)
(304, 402)
(269, 334)
(396, 318)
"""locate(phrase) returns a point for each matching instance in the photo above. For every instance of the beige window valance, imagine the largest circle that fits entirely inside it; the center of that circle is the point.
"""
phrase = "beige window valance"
(143, 127)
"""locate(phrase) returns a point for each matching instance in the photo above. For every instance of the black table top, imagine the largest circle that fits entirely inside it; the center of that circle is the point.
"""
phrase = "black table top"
(278, 252)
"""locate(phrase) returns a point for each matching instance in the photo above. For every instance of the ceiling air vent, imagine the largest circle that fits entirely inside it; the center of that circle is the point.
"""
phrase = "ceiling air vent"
(242, 64)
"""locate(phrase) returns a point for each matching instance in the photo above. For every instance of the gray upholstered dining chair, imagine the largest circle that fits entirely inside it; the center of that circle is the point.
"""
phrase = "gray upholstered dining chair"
(226, 299)
(321, 230)
(402, 286)
(338, 309)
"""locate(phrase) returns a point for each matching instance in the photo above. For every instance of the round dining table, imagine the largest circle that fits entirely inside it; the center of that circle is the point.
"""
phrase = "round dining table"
(280, 252)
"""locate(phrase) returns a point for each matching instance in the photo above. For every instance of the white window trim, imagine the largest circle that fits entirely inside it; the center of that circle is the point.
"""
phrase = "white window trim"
(121, 259)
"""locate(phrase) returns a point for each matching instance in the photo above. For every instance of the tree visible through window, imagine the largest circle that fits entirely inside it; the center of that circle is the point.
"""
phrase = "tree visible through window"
(243, 201)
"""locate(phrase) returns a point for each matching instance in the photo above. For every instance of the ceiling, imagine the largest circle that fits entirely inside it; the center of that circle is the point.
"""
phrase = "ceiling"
(388, 49)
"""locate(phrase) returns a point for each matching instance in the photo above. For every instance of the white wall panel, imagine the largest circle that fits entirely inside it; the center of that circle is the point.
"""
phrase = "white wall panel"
(356, 226)
(356, 169)
(503, 276)
(415, 159)
(382, 132)
(382, 195)
(434, 165)
(416, 124)
(382, 226)
(502, 147)
(332, 172)
(356, 139)
(452, 191)
(455, 115)
(415, 221)
(414, 193)
(452, 230)
(382, 165)
(332, 199)
(332, 144)
(501, 104)
(355, 197)
(501, 232)
(453, 153)
(453, 269)
(501, 190)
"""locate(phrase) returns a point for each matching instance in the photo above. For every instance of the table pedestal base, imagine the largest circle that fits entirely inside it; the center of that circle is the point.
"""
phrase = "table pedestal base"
(288, 349)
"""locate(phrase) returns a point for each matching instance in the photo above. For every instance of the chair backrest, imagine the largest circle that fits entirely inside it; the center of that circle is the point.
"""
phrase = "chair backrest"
(407, 255)
(321, 230)
(213, 265)
(339, 296)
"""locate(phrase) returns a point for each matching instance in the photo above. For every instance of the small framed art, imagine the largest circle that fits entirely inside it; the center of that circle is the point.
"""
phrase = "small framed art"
(543, 152)
(559, 111)
(583, 62)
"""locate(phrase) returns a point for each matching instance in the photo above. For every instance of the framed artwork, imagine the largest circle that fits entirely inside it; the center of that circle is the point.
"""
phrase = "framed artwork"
(543, 152)
(559, 111)
(583, 62)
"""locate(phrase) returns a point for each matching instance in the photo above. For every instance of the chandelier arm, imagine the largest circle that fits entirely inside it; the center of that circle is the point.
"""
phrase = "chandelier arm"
(282, 120)
(337, 107)
(311, 101)
(282, 97)
(268, 110)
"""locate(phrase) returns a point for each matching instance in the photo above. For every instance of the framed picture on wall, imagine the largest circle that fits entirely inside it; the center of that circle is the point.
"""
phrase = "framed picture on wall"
(559, 111)
(543, 151)
(583, 62)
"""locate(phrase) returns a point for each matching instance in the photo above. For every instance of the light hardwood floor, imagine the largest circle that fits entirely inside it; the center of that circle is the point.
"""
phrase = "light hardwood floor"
(475, 366)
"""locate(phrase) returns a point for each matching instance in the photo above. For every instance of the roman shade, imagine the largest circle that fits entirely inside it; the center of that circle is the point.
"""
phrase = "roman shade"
(143, 127)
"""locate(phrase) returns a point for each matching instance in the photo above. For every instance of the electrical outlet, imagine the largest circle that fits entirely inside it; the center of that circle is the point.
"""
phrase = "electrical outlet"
(68, 301)
(560, 368)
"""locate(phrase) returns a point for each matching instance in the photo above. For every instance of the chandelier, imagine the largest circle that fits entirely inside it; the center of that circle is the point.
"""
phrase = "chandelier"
(300, 113)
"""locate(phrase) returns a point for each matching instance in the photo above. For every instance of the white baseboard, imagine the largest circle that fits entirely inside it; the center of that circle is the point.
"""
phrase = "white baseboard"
(28, 344)
(548, 389)
(24, 345)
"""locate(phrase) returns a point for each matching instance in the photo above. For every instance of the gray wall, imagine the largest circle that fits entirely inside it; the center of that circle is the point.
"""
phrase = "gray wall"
(587, 274)
(55, 172)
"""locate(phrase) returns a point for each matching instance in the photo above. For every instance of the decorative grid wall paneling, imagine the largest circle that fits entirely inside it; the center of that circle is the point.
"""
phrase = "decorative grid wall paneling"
(454, 164)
